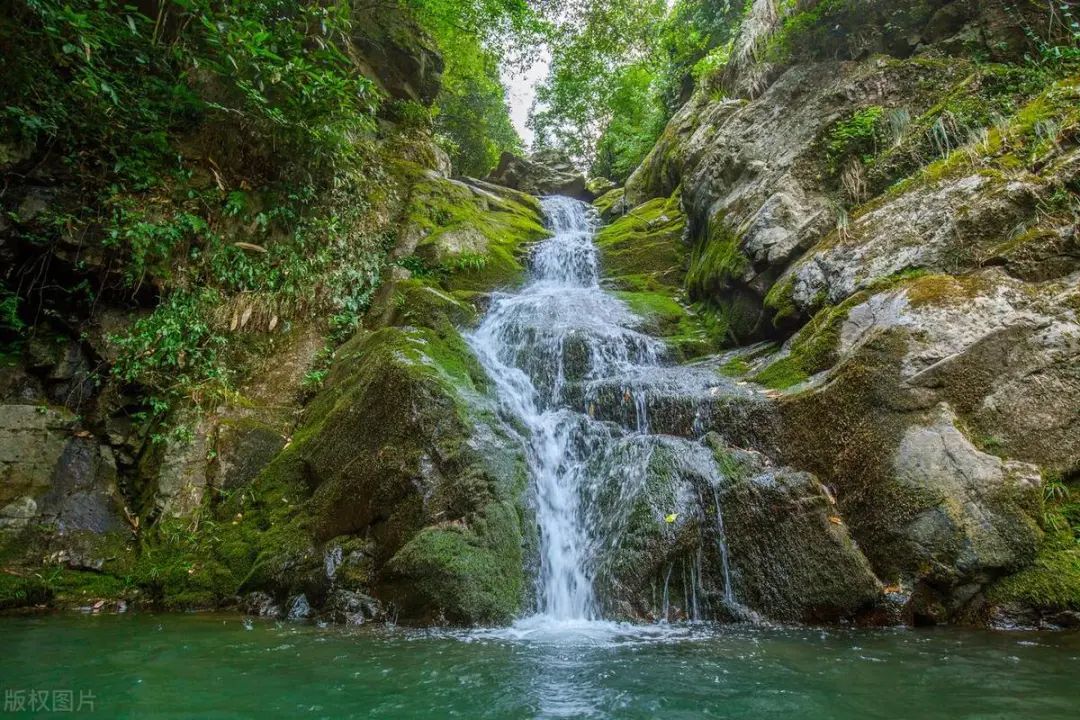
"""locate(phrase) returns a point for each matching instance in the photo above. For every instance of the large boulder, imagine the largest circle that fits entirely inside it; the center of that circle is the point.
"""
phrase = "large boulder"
(700, 530)
(947, 399)
(540, 176)
(54, 477)
(404, 449)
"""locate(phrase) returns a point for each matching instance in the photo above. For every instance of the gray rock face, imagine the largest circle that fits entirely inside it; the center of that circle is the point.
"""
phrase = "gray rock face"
(936, 374)
(49, 474)
(243, 448)
(536, 177)
(260, 604)
(792, 554)
(683, 401)
(980, 528)
(1005, 354)
(398, 54)
(945, 227)
(950, 396)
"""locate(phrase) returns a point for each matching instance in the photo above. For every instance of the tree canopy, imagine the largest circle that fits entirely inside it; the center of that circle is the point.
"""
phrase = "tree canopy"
(619, 70)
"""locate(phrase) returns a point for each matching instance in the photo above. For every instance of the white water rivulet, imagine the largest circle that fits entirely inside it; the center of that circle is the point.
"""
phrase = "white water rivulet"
(548, 348)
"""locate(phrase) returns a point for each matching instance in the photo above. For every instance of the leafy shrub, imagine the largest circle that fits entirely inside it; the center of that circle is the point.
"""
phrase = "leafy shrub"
(174, 350)
(854, 137)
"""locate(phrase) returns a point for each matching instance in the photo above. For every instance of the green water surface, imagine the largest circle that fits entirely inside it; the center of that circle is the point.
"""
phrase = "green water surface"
(211, 666)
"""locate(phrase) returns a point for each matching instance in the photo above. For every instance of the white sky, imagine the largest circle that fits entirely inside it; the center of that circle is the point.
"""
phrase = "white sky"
(521, 90)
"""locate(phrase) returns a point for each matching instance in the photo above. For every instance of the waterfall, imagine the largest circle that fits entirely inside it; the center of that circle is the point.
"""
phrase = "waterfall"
(543, 346)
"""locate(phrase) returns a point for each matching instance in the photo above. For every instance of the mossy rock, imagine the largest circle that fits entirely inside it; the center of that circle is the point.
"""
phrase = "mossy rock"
(646, 241)
(791, 553)
(461, 574)
(611, 204)
(470, 235)
(643, 258)
(1050, 586)
(403, 439)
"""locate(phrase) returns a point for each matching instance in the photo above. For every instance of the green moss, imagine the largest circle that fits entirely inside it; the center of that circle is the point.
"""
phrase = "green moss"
(606, 202)
(54, 586)
(1052, 583)
(735, 367)
(646, 242)
(813, 349)
(1022, 121)
(470, 238)
(715, 261)
(662, 312)
(464, 575)
(783, 374)
(689, 332)
(643, 258)
(940, 290)
(780, 300)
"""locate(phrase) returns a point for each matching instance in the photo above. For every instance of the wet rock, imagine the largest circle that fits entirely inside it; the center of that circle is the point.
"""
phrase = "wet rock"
(792, 555)
(692, 532)
(260, 604)
(611, 204)
(298, 608)
(683, 400)
(599, 186)
(347, 607)
(474, 232)
(402, 448)
(83, 492)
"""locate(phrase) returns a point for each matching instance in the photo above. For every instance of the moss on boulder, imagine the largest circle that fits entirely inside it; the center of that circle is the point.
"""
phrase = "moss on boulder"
(643, 259)
(469, 234)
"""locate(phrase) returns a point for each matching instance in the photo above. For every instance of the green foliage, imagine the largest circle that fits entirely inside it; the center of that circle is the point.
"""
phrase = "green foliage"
(637, 119)
(472, 109)
(175, 348)
(1060, 47)
(694, 44)
(99, 74)
(290, 74)
(857, 136)
(217, 145)
(10, 321)
(314, 379)
(620, 69)
(474, 37)
(575, 102)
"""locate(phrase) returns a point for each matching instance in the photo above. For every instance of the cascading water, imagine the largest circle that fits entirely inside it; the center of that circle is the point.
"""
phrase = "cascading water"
(544, 346)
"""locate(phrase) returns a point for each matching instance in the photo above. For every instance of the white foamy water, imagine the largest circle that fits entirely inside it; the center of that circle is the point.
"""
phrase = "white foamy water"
(543, 346)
